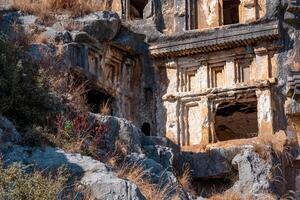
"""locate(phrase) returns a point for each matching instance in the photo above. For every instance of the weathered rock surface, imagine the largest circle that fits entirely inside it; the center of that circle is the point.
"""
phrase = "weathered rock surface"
(254, 173)
(8, 132)
(216, 163)
(103, 182)
(120, 129)
(103, 25)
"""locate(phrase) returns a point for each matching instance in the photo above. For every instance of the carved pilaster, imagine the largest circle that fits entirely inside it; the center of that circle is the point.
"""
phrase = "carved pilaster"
(205, 120)
(229, 73)
(262, 63)
(203, 75)
(264, 111)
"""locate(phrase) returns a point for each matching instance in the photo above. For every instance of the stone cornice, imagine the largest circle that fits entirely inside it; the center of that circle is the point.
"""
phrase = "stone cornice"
(213, 92)
(294, 84)
(214, 40)
(293, 6)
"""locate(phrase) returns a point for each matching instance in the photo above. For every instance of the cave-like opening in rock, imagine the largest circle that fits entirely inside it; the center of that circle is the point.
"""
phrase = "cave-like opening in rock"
(99, 101)
(146, 129)
(231, 11)
(208, 187)
(137, 8)
(236, 120)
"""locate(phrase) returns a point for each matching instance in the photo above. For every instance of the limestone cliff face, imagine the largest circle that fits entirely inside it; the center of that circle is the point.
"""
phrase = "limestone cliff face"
(200, 73)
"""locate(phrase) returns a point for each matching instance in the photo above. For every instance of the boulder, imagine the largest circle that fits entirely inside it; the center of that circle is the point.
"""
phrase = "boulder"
(120, 129)
(83, 37)
(131, 41)
(207, 165)
(215, 163)
(161, 154)
(63, 37)
(103, 25)
(254, 173)
(8, 132)
(100, 179)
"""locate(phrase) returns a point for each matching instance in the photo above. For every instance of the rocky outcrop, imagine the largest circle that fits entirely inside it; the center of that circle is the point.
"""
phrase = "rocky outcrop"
(250, 172)
(215, 163)
(103, 25)
(102, 181)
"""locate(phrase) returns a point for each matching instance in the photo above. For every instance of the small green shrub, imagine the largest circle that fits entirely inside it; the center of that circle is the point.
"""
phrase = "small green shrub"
(76, 132)
(16, 184)
(22, 98)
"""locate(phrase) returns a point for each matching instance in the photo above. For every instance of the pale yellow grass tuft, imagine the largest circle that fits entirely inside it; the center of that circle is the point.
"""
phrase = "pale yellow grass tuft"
(105, 108)
(40, 38)
(136, 174)
(275, 141)
(228, 195)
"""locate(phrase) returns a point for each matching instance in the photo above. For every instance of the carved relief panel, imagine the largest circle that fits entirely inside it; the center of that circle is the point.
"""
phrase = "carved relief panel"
(244, 70)
(217, 78)
(190, 79)
(94, 60)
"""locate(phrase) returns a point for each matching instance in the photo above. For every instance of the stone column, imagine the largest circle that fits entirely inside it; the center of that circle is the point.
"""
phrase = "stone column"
(203, 76)
(261, 63)
(264, 111)
(229, 73)
(172, 115)
(179, 15)
(204, 120)
(172, 74)
(247, 11)
(171, 103)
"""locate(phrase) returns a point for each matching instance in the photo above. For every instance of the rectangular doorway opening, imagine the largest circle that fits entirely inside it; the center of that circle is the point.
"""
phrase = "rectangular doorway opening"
(236, 120)
(231, 12)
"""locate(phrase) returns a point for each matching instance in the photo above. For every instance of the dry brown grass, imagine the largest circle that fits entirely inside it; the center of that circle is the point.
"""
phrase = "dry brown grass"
(105, 108)
(136, 174)
(72, 26)
(40, 38)
(117, 157)
(261, 150)
(185, 178)
(267, 197)
(294, 123)
(278, 143)
(44, 7)
(228, 195)
(275, 141)
(231, 195)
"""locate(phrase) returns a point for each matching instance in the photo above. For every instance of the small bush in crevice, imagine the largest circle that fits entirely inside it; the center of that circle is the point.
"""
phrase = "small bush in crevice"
(141, 177)
(76, 132)
(22, 98)
(33, 93)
